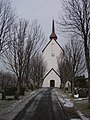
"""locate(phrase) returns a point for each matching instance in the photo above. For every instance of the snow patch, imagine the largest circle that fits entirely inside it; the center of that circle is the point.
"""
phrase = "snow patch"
(82, 116)
(82, 99)
(75, 119)
(76, 96)
(33, 92)
(64, 100)
(68, 103)
(61, 100)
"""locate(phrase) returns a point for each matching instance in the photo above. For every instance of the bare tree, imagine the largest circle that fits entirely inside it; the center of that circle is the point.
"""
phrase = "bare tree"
(7, 79)
(64, 70)
(7, 17)
(33, 47)
(26, 41)
(73, 63)
(14, 55)
(61, 71)
(37, 70)
(77, 20)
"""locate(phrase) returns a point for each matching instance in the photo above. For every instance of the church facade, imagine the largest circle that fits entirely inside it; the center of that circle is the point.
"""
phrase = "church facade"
(51, 52)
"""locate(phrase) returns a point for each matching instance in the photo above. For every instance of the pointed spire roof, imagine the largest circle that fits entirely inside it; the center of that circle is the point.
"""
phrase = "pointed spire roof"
(53, 35)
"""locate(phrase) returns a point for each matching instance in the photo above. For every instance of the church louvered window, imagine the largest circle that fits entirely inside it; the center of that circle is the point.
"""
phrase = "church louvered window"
(52, 50)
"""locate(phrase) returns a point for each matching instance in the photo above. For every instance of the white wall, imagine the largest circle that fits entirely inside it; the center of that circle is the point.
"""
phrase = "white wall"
(52, 76)
(50, 55)
(47, 55)
(68, 83)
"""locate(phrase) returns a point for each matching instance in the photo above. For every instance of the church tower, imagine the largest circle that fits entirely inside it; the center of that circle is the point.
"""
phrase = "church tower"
(51, 52)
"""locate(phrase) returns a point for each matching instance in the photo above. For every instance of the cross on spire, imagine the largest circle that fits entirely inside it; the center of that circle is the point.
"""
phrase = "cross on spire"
(53, 35)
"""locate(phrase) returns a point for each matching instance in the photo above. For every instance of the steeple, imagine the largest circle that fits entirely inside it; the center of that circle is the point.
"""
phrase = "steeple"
(53, 35)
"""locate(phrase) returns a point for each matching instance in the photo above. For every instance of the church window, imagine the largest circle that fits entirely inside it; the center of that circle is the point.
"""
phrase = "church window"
(52, 50)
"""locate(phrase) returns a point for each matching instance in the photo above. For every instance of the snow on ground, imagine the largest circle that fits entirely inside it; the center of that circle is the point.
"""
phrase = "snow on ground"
(76, 96)
(62, 98)
(82, 116)
(79, 99)
(67, 103)
(12, 108)
(75, 119)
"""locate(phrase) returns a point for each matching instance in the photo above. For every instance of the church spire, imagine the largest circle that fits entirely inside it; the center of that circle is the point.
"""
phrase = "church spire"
(53, 35)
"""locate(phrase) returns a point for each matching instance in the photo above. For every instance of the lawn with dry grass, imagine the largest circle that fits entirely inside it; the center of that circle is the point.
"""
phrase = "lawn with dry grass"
(71, 113)
(10, 107)
(80, 104)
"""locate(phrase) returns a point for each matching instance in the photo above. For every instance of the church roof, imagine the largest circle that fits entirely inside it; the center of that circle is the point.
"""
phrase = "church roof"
(53, 34)
(52, 69)
(49, 43)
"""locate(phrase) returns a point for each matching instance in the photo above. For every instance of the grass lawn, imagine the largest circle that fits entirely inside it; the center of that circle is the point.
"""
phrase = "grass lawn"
(80, 104)
(10, 107)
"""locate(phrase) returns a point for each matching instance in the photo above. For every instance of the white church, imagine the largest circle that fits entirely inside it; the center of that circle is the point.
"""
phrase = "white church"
(51, 52)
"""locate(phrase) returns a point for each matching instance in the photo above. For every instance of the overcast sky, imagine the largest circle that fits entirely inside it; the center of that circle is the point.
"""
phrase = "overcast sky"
(42, 10)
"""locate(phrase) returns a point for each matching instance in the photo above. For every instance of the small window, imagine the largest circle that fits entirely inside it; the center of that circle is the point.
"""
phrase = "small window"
(52, 50)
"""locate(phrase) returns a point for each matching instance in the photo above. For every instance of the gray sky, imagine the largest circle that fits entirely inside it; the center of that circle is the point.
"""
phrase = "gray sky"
(43, 10)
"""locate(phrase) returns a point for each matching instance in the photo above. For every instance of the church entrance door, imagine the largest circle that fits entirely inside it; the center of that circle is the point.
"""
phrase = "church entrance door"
(52, 83)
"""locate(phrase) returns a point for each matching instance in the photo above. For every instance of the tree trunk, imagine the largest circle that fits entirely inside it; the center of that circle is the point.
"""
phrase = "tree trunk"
(72, 87)
(27, 76)
(88, 69)
(18, 90)
(89, 86)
